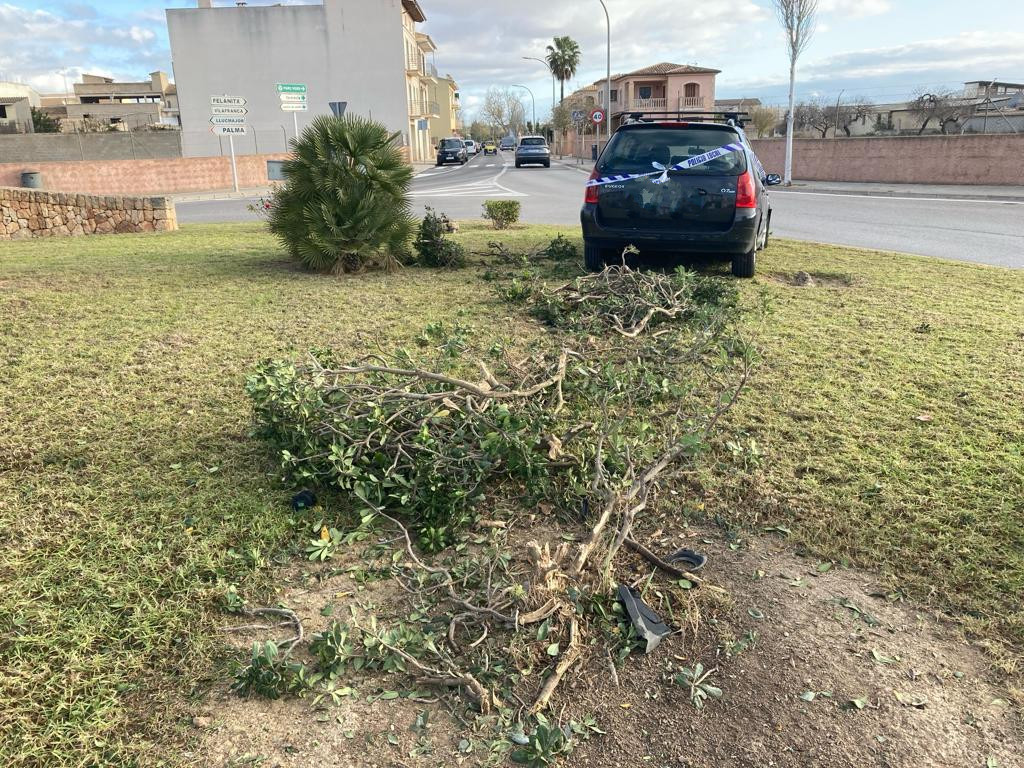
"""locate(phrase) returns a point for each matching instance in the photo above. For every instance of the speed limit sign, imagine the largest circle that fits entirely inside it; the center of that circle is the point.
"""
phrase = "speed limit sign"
(597, 116)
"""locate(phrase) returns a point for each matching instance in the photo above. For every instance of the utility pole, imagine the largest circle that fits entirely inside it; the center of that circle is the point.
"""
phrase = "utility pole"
(608, 83)
(533, 101)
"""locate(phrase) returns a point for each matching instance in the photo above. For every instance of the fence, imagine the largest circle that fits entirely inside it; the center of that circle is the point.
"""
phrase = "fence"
(108, 145)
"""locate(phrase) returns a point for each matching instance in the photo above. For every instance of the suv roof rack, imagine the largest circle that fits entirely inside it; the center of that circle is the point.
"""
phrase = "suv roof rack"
(698, 116)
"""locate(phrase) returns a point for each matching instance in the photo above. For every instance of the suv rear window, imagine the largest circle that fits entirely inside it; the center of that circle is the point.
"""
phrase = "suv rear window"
(538, 142)
(633, 151)
(451, 144)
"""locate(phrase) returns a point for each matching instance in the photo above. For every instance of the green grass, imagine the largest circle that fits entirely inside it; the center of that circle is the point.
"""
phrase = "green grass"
(131, 493)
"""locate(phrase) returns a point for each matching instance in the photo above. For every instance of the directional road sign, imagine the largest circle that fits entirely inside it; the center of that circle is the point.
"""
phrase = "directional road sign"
(228, 111)
(291, 106)
(229, 130)
(227, 101)
(291, 88)
(227, 120)
(292, 96)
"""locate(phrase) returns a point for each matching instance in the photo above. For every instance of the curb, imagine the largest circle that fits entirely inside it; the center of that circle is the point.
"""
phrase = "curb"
(899, 193)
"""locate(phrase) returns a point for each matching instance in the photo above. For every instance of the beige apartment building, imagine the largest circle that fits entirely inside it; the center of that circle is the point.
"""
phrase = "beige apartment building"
(420, 83)
(102, 103)
(448, 122)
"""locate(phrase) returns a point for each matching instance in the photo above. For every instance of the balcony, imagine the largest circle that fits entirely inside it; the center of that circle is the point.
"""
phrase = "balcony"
(424, 108)
(691, 102)
(649, 105)
(415, 65)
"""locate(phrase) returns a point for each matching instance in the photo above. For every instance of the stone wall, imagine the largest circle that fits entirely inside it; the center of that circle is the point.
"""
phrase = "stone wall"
(145, 177)
(28, 213)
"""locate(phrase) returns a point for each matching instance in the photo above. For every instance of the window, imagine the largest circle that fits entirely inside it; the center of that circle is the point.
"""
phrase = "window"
(633, 151)
(692, 91)
(615, 94)
(3, 112)
(643, 92)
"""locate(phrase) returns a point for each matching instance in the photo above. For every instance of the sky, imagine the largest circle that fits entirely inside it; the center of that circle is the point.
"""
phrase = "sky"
(881, 50)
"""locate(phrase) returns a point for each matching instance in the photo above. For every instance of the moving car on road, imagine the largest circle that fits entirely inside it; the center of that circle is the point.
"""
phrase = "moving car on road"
(507, 143)
(490, 148)
(471, 148)
(452, 151)
(533, 149)
(678, 187)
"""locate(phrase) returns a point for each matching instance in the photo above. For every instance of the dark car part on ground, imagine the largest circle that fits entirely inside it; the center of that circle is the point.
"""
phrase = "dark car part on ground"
(677, 187)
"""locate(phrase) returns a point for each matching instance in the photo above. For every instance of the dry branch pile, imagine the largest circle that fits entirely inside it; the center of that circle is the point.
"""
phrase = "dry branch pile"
(416, 447)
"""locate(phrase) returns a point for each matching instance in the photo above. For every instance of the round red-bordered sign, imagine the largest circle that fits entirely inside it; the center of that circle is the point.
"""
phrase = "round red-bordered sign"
(597, 116)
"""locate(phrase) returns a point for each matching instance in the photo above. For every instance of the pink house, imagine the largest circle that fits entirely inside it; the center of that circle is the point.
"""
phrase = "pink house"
(664, 87)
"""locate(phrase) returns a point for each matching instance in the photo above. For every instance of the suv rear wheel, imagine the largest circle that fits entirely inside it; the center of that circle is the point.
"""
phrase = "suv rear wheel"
(743, 264)
(593, 257)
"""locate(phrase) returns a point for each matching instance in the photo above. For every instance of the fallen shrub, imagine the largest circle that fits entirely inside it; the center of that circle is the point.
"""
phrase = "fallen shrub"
(624, 300)
(433, 248)
(561, 249)
(502, 213)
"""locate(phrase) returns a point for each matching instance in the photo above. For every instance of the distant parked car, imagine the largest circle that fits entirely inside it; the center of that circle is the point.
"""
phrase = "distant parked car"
(471, 147)
(533, 150)
(678, 187)
(452, 151)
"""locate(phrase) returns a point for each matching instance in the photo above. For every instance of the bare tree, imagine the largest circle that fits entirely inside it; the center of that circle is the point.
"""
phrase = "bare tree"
(813, 115)
(945, 107)
(858, 109)
(797, 19)
(504, 109)
(763, 119)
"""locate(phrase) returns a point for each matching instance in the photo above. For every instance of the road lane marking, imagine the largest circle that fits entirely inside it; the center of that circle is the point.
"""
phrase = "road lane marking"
(893, 197)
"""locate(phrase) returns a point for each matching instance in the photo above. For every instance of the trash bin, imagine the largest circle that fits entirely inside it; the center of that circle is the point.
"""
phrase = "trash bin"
(593, 152)
(32, 179)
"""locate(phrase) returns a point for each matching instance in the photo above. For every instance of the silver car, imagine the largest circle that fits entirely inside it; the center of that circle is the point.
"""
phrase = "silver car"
(533, 150)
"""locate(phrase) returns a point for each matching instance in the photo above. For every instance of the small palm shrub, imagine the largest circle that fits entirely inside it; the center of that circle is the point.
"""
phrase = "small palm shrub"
(345, 201)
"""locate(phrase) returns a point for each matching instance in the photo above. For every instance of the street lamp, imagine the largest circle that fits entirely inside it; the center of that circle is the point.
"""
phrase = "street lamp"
(533, 101)
(547, 67)
(608, 84)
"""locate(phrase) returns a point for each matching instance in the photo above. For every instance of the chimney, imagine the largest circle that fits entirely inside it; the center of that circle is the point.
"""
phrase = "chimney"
(205, 4)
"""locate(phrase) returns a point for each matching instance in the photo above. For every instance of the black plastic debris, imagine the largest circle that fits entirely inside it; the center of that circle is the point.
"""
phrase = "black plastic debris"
(647, 623)
(692, 561)
(303, 500)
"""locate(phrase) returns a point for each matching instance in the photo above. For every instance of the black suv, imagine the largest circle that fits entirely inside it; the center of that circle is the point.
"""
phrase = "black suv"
(452, 151)
(678, 187)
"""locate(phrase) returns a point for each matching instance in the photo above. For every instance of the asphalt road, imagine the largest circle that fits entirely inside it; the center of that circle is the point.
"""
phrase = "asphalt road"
(983, 231)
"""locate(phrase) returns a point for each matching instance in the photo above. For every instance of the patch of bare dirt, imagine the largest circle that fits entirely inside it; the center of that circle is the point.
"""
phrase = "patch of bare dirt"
(926, 694)
(803, 279)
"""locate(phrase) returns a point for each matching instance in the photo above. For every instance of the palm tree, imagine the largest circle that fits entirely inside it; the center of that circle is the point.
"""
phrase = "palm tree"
(563, 59)
(346, 198)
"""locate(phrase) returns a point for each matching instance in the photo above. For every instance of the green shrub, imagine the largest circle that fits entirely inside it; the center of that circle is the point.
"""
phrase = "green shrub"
(433, 248)
(561, 249)
(502, 213)
(345, 201)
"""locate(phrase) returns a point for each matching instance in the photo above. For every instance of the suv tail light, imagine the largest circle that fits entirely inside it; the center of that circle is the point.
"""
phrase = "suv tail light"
(746, 196)
(591, 194)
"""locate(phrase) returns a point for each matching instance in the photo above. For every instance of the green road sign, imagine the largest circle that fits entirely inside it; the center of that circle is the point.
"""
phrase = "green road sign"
(291, 88)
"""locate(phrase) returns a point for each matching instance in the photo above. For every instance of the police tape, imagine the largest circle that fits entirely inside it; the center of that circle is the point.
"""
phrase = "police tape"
(663, 170)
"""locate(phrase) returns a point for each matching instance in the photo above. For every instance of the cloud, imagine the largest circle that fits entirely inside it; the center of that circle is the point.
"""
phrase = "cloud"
(854, 8)
(35, 45)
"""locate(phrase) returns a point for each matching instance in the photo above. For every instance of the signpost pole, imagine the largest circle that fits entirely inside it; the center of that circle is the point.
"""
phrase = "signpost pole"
(295, 123)
(234, 167)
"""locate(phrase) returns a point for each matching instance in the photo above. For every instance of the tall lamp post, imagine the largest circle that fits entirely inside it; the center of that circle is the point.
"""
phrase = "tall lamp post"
(533, 101)
(547, 67)
(608, 84)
